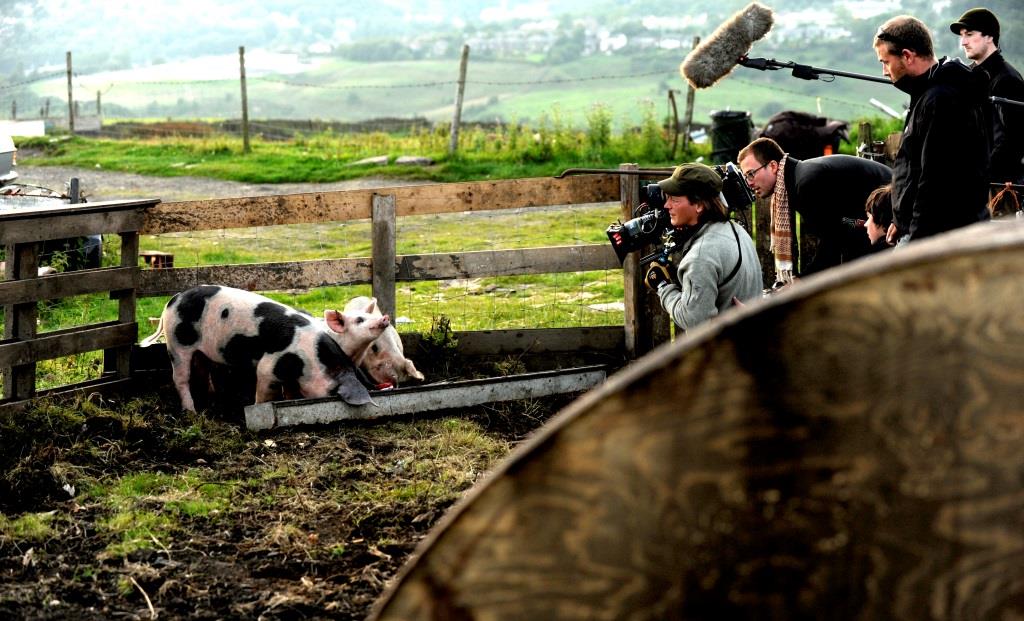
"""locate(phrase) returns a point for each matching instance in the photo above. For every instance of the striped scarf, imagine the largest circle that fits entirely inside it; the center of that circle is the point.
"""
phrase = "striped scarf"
(781, 227)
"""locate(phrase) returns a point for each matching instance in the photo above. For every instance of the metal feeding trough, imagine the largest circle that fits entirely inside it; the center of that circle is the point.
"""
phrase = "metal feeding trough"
(427, 398)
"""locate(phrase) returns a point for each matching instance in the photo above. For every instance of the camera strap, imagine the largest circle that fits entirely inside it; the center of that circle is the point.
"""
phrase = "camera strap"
(739, 253)
(681, 238)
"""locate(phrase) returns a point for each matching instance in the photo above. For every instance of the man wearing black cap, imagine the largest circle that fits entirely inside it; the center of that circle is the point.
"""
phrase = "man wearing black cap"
(716, 261)
(979, 36)
(940, 175)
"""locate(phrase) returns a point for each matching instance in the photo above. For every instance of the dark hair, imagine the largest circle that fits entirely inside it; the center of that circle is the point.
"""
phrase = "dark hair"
(764, 150)
(714, 209)
(905, 33)
(879, 205)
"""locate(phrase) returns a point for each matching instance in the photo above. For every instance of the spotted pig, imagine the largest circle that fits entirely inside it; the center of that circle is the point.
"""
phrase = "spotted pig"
(292, 352)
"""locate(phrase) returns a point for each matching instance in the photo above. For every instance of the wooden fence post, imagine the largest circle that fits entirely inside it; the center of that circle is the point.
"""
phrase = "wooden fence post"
(71, 101)
(245, 100)
(384, 252)
(632, 285)
(120, 357)
(675, 123)
(20, 320)
(453, 144)
(688, 115)
(763, 239)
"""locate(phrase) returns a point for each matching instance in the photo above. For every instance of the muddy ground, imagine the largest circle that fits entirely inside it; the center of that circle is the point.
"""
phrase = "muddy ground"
(302, 523)
(313, 521)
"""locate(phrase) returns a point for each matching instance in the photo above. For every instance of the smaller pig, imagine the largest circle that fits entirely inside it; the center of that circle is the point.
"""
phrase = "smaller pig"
(291, 352)
(384, 360)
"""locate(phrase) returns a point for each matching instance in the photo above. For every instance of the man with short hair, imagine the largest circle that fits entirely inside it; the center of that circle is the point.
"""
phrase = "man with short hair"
(940, 176)
(979, 36)
(828, 192)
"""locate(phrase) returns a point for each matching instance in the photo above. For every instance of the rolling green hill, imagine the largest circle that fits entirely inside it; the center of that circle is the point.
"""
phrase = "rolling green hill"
(408, 68)
(495, 90)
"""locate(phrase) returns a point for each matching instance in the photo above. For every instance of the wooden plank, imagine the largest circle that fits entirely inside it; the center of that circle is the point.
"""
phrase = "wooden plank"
(48, 210)
(20, 323)
(67, 284)
(337, 272)
(471, 343)
(41, 229)
(531, 340)
(482, 263)
(633, 286)
(257, 277)
(103, 386)
(356, 204)
(119, 358)
(67, 342)
(850, 445)
(761, 217)
(421, 399)
(384, 260)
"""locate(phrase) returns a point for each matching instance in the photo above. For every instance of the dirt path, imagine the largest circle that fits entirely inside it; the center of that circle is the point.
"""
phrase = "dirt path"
(101, 185)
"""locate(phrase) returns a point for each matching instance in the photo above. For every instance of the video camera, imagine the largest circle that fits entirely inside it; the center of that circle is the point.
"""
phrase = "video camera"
(651, 220)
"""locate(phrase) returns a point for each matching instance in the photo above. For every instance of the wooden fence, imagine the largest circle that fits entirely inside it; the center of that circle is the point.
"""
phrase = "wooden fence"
(22, 290)
(644, 327)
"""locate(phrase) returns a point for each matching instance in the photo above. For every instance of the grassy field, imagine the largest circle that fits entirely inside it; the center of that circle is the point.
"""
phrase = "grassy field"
(510, 151)
(547, 300)
(526, 90)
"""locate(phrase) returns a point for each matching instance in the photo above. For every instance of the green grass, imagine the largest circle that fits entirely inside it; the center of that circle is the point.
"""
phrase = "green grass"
(31, 527)
(510, 151)
(146, 509)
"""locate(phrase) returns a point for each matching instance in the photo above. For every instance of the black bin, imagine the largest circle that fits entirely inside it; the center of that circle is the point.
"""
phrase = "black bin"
(730, 132)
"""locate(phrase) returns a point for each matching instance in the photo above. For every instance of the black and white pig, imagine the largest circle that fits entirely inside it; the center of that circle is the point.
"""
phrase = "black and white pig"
(290, 350)
(384, 360)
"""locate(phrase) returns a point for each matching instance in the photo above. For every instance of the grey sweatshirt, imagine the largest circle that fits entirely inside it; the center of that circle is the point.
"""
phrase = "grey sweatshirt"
(707, 260)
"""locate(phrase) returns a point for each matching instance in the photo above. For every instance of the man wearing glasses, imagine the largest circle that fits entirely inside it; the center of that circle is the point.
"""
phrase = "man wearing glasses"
(941, 169)
(829, 194)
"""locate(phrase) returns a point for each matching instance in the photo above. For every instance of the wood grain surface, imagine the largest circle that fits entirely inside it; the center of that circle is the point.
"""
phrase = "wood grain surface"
(852, 448)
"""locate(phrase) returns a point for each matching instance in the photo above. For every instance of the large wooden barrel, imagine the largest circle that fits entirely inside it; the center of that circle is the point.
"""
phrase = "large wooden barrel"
(852, 448)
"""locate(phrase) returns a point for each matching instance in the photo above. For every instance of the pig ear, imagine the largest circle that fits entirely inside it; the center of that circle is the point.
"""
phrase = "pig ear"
(352, 391)
(371, 306)
(335, 321)
(412, 371)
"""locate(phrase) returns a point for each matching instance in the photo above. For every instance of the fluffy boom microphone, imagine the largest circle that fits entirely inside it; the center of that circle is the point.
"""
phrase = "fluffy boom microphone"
(713, 59)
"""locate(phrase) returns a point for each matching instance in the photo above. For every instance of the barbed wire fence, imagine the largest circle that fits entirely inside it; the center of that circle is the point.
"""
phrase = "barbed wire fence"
(276, 127)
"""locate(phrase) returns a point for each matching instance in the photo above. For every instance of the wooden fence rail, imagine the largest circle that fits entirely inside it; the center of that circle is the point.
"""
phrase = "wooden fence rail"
(21, 232)
(23, 229)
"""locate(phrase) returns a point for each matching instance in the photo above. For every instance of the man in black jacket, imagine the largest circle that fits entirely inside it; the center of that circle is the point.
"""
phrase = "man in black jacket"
(828, 192)
(979, 36)
(940, 176)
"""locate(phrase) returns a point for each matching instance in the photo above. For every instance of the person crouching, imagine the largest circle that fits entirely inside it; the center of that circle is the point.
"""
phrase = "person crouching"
(716, 261)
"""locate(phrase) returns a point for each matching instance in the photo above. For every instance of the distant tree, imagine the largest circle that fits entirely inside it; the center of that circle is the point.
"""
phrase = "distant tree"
(567, 47)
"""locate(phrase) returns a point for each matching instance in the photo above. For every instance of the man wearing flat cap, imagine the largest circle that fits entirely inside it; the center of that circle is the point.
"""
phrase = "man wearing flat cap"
(978, 30)
(716, 264)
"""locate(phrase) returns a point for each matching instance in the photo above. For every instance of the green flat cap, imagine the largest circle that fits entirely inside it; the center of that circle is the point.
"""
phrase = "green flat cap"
(695, 180)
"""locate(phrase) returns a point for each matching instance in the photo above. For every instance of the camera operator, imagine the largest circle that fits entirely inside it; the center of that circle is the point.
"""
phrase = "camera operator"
(716, 262)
